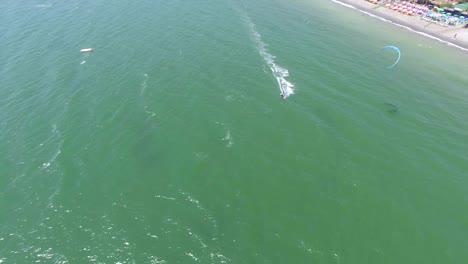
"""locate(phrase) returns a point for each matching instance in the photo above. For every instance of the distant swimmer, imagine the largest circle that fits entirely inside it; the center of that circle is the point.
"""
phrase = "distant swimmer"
(282, 96)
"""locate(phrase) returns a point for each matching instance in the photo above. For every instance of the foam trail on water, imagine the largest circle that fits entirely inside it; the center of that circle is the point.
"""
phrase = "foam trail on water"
(42, 6)
(143, 85)
(279, 72)
(54, 157)
(56, 133)
(228, 138)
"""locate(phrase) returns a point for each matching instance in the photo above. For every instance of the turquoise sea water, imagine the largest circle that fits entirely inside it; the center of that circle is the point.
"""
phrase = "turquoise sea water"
(170, 143)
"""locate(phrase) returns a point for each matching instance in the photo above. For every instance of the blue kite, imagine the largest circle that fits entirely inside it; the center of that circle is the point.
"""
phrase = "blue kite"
(399, 55)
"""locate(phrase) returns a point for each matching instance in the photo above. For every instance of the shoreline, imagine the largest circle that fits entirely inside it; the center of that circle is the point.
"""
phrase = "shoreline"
(412, 23)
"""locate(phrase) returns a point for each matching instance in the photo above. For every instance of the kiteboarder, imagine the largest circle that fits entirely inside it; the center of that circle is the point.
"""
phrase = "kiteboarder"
(399, 55)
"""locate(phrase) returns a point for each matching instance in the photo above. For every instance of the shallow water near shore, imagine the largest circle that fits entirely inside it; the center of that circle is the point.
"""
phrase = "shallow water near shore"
(170, 143)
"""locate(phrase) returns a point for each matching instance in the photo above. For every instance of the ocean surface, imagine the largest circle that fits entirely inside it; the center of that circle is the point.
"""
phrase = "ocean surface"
(170, 143)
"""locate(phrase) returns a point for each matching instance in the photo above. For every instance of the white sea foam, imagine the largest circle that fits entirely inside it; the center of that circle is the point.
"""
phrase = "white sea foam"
(43, 5)
(46, 254)
(228, 138)
(280, 73)
(201, 155)
(229, 98)
(197, 203)
(165, 197)
(310, 250)
(152, 236)
(400, 25)
(196, 237)
(191, 255)
(47, 164)
(220, 257)
(56, 134)
(143, 85)
(83, 62)
(151, 114)
(156, 260)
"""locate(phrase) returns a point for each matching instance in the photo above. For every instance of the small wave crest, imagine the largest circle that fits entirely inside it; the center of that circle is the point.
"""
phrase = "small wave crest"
(280, 73)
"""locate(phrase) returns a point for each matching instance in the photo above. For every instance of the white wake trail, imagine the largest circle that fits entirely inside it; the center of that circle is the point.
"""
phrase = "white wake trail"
(280, 73)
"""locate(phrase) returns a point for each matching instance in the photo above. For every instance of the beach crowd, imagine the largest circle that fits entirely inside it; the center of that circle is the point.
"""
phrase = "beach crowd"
(430, 13)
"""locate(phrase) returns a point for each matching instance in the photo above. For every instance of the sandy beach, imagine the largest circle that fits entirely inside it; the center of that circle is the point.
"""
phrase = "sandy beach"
(415, 23)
